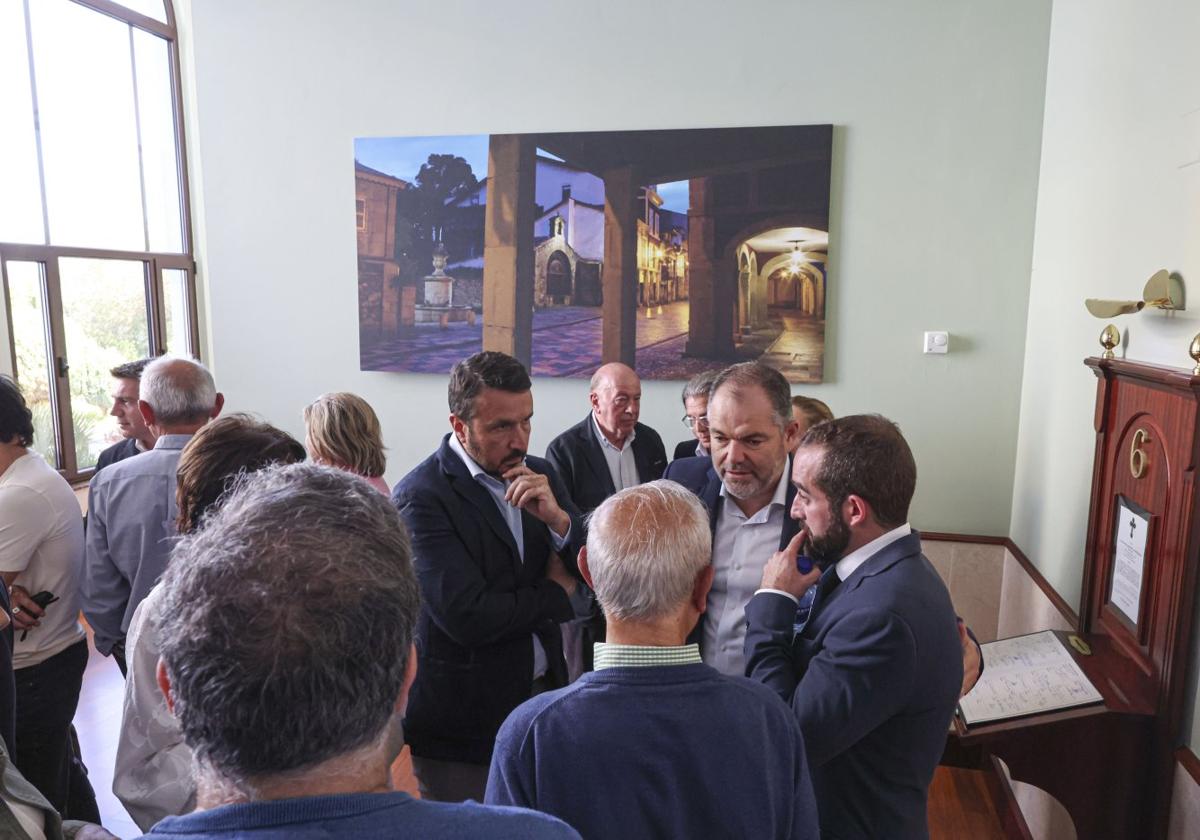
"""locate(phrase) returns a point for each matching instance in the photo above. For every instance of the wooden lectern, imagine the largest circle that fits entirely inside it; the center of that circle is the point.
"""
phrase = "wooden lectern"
(1111, 765)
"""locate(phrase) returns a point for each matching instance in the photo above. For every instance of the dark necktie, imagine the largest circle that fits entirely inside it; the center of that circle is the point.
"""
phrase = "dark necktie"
(814, 597)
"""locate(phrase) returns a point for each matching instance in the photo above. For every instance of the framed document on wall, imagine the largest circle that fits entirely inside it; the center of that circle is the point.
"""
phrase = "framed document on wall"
(1131, 538)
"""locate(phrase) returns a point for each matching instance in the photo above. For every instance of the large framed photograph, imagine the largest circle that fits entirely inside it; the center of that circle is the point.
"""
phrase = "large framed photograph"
(674, 251)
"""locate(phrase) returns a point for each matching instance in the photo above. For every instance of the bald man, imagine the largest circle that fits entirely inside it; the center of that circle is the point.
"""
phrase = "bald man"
(606, 452)
(609, 450)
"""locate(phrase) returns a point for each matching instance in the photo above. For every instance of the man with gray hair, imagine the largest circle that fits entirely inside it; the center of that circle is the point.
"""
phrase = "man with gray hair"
(131, 504)
(693, 753)
(286, 629)
(695, 416)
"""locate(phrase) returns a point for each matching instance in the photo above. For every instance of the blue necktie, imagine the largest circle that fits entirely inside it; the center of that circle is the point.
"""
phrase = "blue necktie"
(803, 611)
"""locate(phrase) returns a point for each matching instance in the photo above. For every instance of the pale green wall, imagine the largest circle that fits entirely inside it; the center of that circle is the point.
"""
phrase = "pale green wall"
(939, 113)
(1118, 198)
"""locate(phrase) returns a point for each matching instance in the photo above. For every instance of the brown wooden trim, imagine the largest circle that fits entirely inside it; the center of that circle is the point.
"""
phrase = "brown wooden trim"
(937, 536)
(1011, 817)
(1049, 591)
(1190, 763)
(1173, 377)
(26, 251)
(980, 539)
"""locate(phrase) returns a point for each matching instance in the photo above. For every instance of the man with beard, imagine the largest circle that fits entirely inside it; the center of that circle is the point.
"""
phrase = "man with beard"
(494, 543)
(746, 489)
(874, 675)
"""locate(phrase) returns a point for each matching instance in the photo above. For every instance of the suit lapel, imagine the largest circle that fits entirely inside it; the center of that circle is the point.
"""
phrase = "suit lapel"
(711, 496)
(477, 495)
(595, 458)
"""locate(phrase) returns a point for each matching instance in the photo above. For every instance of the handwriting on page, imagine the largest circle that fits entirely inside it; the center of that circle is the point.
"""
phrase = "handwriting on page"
(1026, 675)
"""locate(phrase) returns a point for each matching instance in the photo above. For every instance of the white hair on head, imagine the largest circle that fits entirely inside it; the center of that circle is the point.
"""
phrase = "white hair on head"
(179, 389)
(645, 547)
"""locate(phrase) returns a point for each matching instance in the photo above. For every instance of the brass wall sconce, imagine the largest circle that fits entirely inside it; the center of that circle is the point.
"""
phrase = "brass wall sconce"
(1194, 352)
(1110, 338)
(1162, 291)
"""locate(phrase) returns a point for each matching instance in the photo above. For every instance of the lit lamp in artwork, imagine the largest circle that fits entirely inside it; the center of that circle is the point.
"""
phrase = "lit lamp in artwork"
(1194, 352)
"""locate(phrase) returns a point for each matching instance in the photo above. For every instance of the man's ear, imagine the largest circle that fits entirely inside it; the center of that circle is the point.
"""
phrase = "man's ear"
(164, 685)
(594, 399)
(856, 510)
(147, 413)
(410, 674)
(218, 404)
(703, 583)
(583, 567)
(459, 427)
(791, 435)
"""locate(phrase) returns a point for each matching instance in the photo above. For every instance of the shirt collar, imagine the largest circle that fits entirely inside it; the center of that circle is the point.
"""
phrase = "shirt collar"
(608, 655)
(477, 472)
(172, 441)
(849, 564)
(606, 442)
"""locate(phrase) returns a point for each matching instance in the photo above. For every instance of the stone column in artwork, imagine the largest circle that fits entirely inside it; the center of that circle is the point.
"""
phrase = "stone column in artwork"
(620, 280)
(508, 246)
(712, 301)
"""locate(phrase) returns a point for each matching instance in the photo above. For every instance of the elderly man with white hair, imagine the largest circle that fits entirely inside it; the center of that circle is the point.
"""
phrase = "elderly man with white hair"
(131, 504)
(654, 743)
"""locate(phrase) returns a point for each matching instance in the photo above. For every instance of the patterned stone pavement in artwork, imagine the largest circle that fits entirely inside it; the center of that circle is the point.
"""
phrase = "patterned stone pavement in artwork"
(567, 342)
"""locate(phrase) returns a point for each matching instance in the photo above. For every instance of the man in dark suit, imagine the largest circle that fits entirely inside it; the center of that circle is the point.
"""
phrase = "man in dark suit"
(609, 450)
(494, 543)
(136, 435)
(875, 673)
(695, 415)
(606, 452)
(745, 486)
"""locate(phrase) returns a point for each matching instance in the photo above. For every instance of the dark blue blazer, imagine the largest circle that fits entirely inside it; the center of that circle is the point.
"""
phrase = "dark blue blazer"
(480, 607)
(685, 449)
(697, 474)
(577, 457)
(873, 680)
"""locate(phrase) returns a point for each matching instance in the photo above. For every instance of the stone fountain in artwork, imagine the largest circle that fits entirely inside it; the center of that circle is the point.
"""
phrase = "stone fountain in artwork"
(439, 307)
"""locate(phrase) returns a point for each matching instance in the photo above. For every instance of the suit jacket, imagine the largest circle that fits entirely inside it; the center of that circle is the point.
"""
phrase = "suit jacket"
(697, 474)
(119, 451)
(480, 606)
(873, 679)
(685, 449)
(579, 461)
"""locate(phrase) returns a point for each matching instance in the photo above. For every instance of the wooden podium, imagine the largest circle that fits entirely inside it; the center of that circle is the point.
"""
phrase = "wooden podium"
(1111, 765)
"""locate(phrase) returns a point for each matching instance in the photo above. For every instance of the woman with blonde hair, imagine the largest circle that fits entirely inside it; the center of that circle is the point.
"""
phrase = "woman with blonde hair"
(341, 430)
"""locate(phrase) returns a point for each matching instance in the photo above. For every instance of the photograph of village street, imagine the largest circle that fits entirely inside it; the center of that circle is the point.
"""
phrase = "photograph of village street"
(674, 251)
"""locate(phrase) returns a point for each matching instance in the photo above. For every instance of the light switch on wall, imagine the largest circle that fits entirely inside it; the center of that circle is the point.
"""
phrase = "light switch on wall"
(937, 341)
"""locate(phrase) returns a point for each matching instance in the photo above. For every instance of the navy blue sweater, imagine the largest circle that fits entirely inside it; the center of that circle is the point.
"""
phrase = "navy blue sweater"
(670, 751)
(363, 816)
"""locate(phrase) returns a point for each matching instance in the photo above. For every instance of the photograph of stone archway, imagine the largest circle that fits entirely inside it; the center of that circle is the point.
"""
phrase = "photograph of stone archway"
(673, 251)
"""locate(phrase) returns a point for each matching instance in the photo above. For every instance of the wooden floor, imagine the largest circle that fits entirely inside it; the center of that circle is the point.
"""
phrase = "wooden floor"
(959, 800)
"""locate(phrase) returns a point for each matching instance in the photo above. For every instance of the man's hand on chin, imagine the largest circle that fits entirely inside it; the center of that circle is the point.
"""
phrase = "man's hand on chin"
(781, 572)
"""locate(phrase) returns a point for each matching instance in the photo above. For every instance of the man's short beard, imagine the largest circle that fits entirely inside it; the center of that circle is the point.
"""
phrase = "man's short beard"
(830, 547)
(473, 451)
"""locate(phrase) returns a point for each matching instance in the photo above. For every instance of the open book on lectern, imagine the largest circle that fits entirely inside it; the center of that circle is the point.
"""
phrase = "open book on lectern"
(1026, 675)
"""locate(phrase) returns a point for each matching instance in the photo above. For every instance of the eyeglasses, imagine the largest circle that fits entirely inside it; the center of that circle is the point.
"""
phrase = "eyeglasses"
(691, 422)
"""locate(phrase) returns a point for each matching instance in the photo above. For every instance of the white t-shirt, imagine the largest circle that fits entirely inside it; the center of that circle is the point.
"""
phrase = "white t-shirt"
(41, 537)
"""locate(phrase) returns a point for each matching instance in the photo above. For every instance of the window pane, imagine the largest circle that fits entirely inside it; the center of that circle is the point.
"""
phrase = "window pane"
(27, 303)
(21, 203)
(104, 317)
(150, 8)
(88, 129)
(156, 116)
(178, 327)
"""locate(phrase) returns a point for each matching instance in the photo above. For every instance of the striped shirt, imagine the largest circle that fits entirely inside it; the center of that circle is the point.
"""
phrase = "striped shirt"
(644, 656)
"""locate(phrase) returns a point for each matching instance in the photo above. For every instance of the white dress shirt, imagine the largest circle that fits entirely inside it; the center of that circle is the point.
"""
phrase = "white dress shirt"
(621, 465)
(741, 548)
(512, 516)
